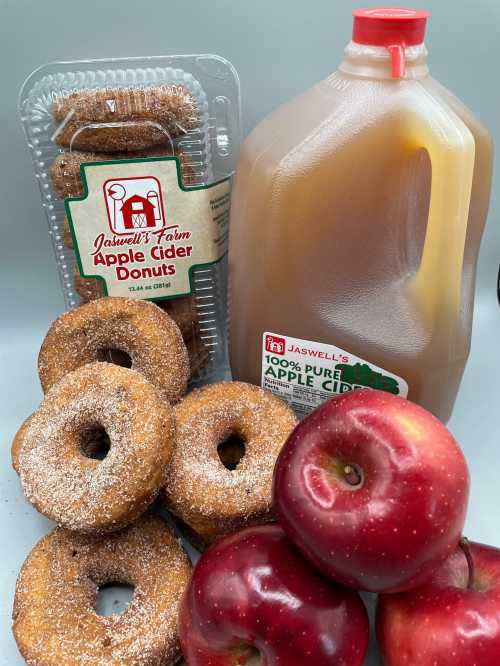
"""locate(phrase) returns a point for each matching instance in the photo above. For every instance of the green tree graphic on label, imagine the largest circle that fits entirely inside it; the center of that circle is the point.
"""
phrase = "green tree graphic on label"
(362, 375)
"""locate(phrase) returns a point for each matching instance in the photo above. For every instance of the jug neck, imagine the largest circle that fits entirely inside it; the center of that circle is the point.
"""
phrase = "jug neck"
(374, 62)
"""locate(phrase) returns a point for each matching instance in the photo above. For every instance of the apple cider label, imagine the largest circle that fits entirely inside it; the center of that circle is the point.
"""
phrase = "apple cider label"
(306, 373)
(141, 233)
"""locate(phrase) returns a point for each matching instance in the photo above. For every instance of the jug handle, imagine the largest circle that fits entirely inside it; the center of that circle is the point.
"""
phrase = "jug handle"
(451, 148)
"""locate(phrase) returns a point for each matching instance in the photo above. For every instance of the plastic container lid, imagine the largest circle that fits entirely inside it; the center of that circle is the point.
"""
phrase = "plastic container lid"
(394, 28)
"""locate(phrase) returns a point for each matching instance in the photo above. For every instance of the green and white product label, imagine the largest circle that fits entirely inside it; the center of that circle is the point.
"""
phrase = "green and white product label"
(140, 232)
(306, 373)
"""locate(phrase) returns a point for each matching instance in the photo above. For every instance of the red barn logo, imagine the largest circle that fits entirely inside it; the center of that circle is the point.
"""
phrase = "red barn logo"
(134, 203)
(275, 345)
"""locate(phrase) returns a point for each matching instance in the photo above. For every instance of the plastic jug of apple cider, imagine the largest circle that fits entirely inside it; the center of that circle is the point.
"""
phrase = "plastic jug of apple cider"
(355, 229)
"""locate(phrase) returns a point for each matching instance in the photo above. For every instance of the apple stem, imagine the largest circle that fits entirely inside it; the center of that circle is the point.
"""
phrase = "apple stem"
(353, 475)
(465, 546)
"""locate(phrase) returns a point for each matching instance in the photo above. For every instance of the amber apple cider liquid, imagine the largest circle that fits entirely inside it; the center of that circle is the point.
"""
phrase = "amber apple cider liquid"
(331, 230)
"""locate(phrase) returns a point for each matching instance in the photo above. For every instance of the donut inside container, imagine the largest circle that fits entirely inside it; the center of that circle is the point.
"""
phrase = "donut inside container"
(187, 107)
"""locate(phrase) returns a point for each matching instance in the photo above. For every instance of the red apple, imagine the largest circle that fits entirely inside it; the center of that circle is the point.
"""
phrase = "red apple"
(373, 490)
(253, 593)
(451, 620)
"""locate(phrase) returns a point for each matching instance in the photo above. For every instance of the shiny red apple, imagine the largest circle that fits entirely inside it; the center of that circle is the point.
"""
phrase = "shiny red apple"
(253, 593)
(451, 620)
(373, 489)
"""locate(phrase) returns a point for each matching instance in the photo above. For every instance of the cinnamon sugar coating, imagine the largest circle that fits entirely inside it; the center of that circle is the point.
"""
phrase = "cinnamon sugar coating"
(89, 289)
(181, 310)
(54, 618)
(67, 237)
(66, 176)
(51, 451)
(142, 330)
(200, 491)
(199, 356)
(184, 312)
(124, 119)
(17, 442)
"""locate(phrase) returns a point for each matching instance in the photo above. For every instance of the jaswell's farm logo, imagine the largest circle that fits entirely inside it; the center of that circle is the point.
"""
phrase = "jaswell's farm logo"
(134, 204)
(275, 345)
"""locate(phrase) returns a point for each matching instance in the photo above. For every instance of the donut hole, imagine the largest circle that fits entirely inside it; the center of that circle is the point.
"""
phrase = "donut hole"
(113, 598)
(94, 442)
(232, 449)
(115, 356)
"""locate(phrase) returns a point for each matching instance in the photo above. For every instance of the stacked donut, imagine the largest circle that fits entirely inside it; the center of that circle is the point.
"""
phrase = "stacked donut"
(126, 123)
(115, 430)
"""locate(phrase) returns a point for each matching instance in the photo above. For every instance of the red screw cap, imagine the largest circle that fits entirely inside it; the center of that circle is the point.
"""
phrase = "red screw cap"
(394, 28)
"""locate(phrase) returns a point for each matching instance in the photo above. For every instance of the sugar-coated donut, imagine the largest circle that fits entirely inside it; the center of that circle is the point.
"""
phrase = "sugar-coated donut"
(89, 289)
(199, 356)
(66, 232)
(17, 442)
(140, 329)
(206, 495)
(66, 175)
(182, 310)
(52, 450)
(92, 441)
(54, 617)
(124, 119)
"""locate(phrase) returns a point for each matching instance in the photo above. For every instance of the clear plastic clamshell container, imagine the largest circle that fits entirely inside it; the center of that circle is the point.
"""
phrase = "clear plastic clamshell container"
(133, 123)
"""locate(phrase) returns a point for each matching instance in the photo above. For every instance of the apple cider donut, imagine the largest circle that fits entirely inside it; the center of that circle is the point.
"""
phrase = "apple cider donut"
(89, 289)
(184, 312)
(17, 442)
(55, 621)
(181, 310)
(66, 175)
(124, 119)
(66, 232)
(55, 446)
(146, 335)
(92, 441)
(199, 356)
(228, 438)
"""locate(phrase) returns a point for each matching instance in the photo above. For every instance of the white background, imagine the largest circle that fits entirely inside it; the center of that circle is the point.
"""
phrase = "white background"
(279, 48)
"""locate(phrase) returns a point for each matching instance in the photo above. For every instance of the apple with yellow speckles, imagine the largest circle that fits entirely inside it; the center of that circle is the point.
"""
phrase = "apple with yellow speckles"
(452, 620)
(373, 489)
